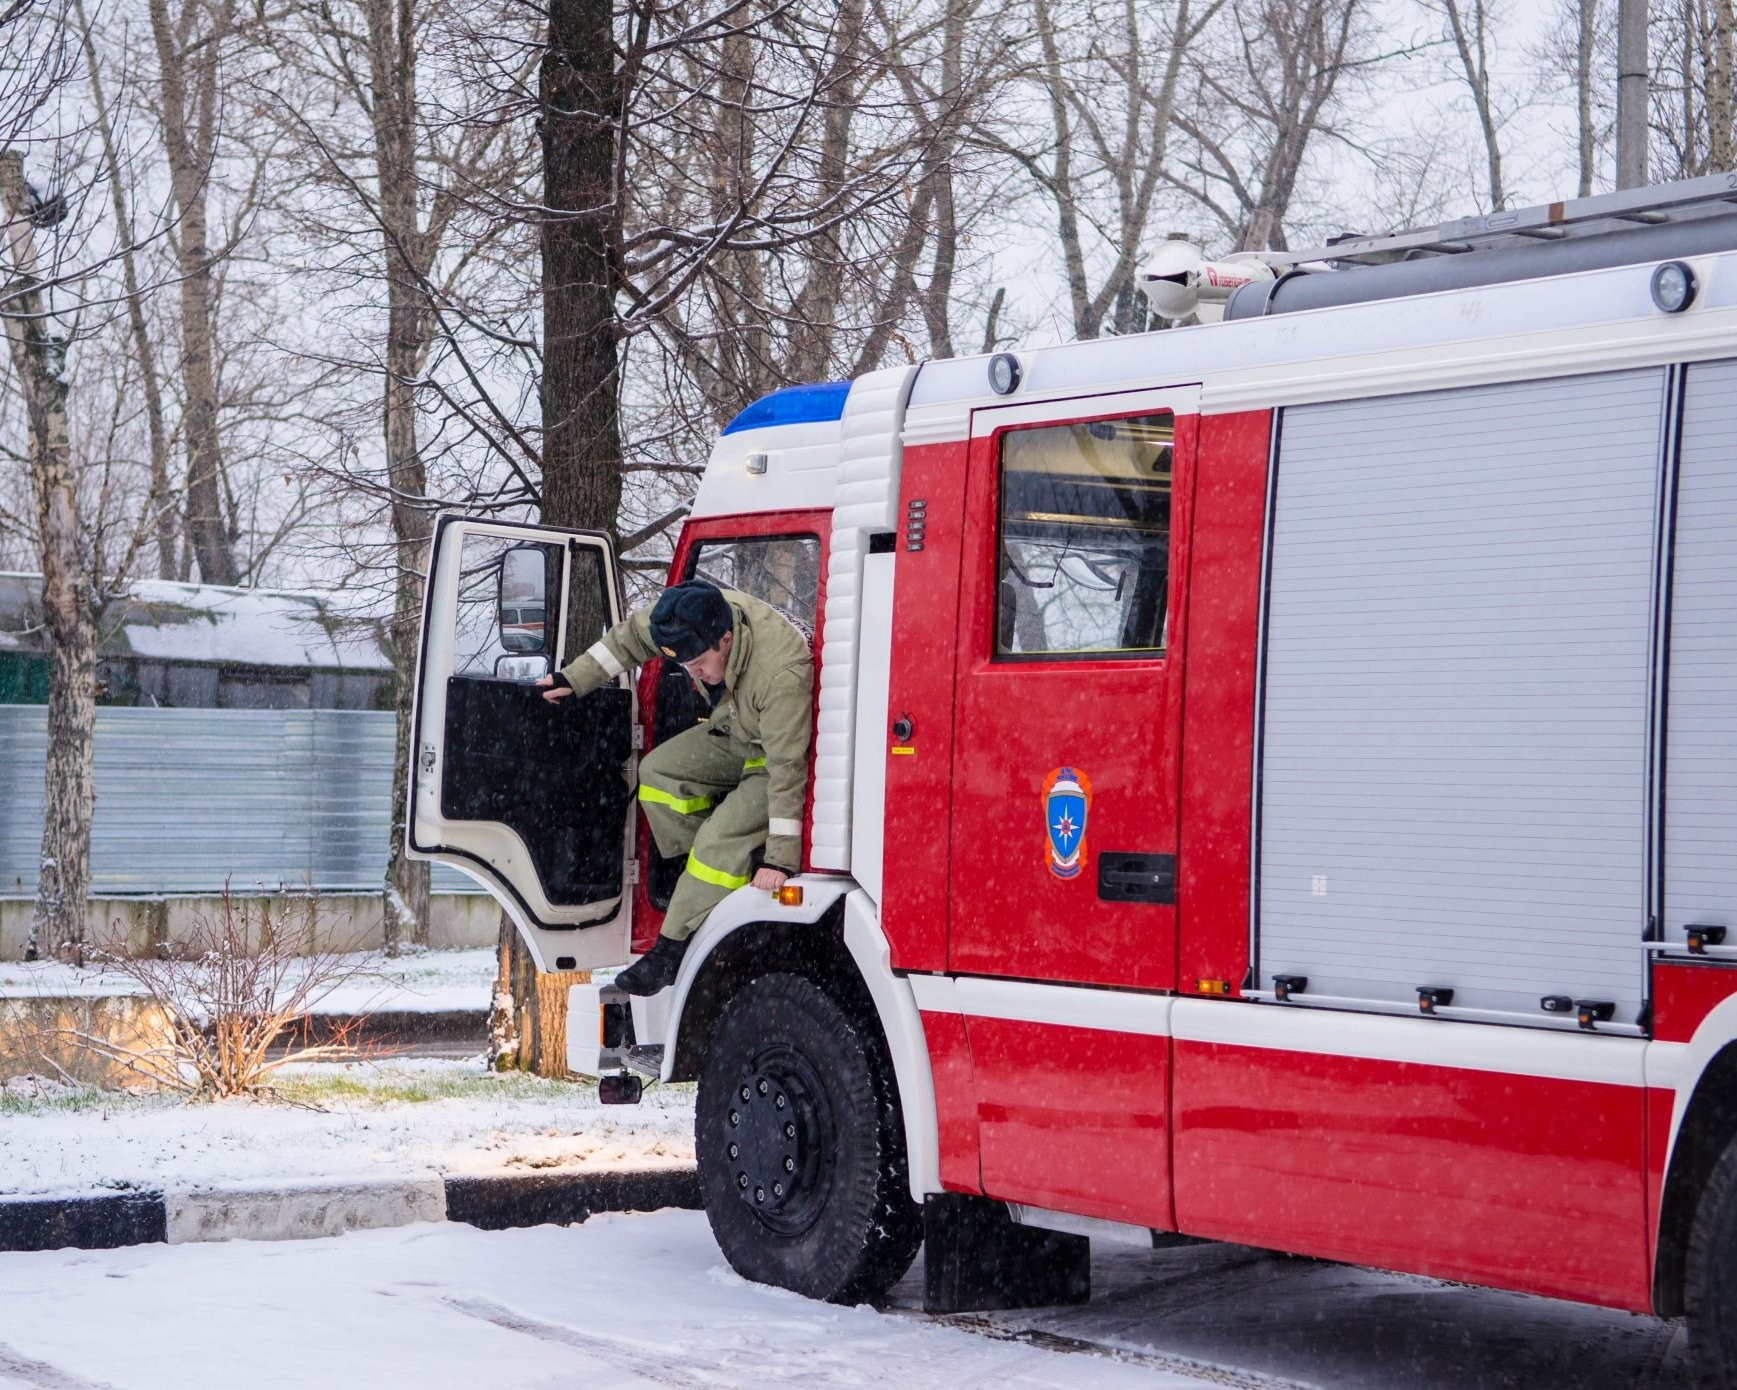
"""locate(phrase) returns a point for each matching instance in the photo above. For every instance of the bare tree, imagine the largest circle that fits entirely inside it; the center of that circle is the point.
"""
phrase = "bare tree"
(1266, 91)
(162, 498)
(38, 349)
(1585, 50)
(1471, 26)
(398, 171)
(190, 47)
(1110, 76)
(1694, 117)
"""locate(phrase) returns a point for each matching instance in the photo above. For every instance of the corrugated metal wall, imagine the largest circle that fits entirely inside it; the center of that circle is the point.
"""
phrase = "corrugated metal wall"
(189, 798)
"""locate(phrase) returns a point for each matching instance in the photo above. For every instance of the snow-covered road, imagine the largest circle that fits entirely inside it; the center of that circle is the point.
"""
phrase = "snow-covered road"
(647, 1301)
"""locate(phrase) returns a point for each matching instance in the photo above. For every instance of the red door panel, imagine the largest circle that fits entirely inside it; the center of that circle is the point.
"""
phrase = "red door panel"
(1522, 1182)
(1113, 720)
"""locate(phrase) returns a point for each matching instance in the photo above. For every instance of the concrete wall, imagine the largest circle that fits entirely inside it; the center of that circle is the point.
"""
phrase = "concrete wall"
(349, 921)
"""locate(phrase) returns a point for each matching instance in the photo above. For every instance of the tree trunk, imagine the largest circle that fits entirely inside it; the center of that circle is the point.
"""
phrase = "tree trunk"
(1585, 40)
(1719, 89)
(189, 170)
(581, 259)
(1470, 33)
(392, 78)
(57, 925)
(580, 391)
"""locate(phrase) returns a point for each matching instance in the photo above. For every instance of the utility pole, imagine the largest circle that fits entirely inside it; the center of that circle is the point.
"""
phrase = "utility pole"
(1631, 93)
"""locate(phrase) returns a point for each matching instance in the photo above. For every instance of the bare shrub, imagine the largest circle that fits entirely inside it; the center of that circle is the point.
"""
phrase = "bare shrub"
(232, 993)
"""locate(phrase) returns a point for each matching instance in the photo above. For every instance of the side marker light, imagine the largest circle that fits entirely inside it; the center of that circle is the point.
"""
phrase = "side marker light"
(1221, 987)
(1433, 997)
(1701, 937)
(790, 895)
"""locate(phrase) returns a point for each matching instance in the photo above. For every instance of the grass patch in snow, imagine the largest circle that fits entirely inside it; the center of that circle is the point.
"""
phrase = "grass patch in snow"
(17, 1103)
(71, 1100)
(387, 1085)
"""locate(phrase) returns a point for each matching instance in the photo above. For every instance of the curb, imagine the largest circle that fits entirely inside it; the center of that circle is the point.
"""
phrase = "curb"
(312, 1210)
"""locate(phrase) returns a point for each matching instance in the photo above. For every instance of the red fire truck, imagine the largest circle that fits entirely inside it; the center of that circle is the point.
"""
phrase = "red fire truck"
(1274, 781)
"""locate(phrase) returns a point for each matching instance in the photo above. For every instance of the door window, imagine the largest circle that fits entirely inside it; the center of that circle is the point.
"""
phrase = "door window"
(783, 571)
(1084, 539)
(499, 622)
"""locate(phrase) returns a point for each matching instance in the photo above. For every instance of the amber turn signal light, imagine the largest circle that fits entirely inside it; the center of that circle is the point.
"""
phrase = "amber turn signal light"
(790, 895)
(1212, 986)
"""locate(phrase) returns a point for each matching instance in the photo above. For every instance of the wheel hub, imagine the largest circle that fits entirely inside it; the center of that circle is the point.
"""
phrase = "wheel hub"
(776, 1139)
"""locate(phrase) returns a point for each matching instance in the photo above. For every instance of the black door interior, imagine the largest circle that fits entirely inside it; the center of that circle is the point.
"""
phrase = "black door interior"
(551, 772)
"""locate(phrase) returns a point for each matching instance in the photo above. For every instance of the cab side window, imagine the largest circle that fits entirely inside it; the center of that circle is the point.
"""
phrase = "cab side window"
(783, 571)
(1084, 539)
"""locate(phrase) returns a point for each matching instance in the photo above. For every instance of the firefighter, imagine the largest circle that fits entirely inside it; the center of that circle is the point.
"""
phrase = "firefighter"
(735, 782)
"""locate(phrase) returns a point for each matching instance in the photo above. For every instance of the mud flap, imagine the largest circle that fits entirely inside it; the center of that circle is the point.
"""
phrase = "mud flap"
(976, 1259)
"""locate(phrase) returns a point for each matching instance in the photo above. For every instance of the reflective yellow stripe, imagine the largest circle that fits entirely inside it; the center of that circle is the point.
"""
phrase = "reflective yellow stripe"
(707, 874)
(753, 762)
(677, 804)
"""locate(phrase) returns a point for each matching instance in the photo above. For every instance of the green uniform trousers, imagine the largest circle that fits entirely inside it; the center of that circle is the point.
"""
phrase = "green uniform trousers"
(703, 798)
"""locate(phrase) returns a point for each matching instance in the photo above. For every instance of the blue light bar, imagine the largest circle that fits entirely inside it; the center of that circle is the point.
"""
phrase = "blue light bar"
(794, 405)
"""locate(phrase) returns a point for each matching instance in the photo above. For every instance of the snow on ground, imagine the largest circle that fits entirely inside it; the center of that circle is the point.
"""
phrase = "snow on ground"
(618, 1302)
(631, 1301)
(409, 1118)
(425, 982)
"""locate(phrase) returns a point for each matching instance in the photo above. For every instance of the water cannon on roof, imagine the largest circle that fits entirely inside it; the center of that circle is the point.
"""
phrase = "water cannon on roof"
(1179, 281)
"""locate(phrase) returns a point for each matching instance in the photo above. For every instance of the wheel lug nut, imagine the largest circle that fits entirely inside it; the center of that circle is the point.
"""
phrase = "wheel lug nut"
(777, 1189)
(734, 1150)
(742, 1180)
(747, 1094)
(735, 1119)
(789, 1130)
(762, 1088)
(789, 1162)
(759, 1194)
(779, 1102)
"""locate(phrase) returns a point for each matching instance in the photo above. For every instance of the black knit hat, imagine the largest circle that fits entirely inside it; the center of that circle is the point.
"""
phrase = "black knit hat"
(689, 619)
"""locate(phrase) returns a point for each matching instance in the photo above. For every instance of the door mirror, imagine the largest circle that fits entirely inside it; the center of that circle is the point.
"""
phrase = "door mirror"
(522, 599)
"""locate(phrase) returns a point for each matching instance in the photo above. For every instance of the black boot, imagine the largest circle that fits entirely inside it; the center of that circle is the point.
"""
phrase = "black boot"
(656, 969)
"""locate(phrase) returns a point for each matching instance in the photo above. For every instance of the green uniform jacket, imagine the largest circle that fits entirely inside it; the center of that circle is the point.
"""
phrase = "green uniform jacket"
(767, 707)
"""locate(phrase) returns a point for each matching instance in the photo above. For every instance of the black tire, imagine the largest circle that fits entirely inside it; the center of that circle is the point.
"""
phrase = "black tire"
(801, 1145)
(1710, 1279)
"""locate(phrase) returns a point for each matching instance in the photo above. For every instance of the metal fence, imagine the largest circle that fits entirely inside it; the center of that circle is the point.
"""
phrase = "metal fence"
(189, 798)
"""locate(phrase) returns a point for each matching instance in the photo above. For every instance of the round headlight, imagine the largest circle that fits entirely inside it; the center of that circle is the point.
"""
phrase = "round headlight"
(1003, 373)
(1674, 287)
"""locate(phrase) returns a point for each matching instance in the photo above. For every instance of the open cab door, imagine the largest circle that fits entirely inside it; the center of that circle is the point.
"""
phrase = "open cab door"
(531, 799)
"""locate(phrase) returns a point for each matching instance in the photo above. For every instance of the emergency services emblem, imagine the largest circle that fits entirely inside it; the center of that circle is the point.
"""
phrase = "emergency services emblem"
(1067, 801)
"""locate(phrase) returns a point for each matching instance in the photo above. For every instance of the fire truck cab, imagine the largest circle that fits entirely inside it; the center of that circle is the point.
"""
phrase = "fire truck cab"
(1274, 781)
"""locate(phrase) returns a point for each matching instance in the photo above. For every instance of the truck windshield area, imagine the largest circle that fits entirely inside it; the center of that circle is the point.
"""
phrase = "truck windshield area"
(1085, 539)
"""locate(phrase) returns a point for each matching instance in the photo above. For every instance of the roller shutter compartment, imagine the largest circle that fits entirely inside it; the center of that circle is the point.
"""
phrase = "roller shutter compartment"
(1454, 723)
(1700, 861)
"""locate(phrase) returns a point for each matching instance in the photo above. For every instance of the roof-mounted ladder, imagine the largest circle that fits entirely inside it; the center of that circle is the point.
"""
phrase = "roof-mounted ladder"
(1709, 196)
